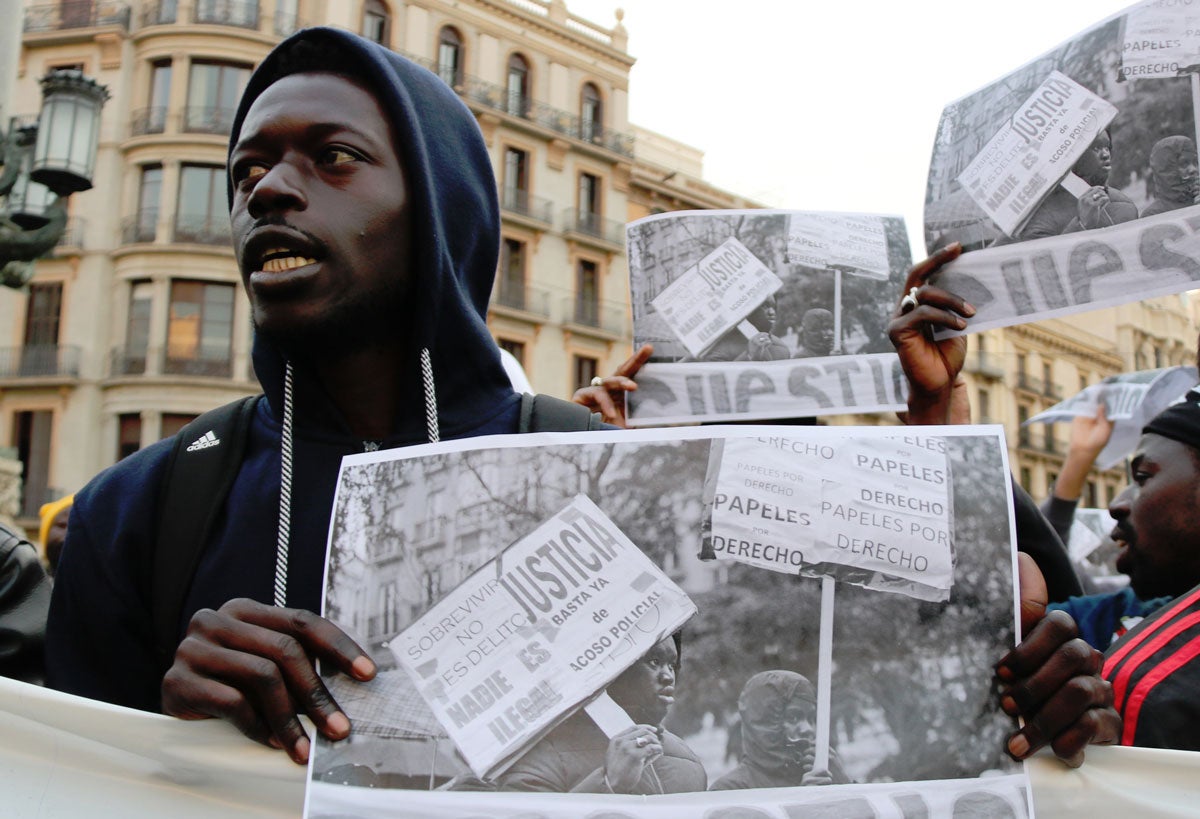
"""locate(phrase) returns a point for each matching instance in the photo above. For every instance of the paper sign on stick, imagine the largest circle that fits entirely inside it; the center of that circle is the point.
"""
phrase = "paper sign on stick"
(536, 631)
(711, 298)
(875, 513)
(856, 243)
(1160, 38)
(1035, 149)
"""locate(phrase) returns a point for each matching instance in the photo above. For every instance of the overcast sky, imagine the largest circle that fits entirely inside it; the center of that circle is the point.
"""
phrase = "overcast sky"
(831, 105)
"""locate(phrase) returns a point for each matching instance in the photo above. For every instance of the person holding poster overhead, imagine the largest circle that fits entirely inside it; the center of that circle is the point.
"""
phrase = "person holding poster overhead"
(642, 759)
(1051, 679)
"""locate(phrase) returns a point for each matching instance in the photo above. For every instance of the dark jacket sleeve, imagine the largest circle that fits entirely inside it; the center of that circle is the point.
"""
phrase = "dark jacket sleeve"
(24, 600)
(1061, 514)
(1036, 537)
(99, 636)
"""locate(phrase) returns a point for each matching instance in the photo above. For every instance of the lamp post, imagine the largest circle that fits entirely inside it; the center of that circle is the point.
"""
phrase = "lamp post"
(43, 164)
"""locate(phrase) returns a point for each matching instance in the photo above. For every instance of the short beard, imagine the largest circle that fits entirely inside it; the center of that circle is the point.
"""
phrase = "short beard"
(373, 320)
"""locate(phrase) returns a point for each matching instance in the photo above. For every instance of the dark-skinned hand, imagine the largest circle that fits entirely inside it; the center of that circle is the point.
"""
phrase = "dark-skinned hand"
(252, 664)
(609, 398)
(1052, 681)
(936, 393)
(629, 752)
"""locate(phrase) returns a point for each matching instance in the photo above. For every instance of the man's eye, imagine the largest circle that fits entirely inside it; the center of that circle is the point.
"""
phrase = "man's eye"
(338, 156)
(248, 171)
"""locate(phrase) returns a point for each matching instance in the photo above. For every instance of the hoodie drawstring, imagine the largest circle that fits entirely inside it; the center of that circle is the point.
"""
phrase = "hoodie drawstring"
(285, 492)
(285, 465)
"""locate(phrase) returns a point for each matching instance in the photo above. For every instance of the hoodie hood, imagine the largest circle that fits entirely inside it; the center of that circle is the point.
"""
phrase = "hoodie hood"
(762, 706)
(456, 237)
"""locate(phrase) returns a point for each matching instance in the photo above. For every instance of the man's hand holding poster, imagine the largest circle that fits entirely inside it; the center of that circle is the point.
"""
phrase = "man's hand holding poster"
(536, 631)
(764, 314)
(1067, 193)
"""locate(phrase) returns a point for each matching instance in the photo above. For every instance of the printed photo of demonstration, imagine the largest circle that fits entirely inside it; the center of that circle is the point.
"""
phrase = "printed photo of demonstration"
(566, 625)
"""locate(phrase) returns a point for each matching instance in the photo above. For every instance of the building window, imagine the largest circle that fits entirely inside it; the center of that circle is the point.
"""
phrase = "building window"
(449, 59)
(588, 204)
(514, 348)
(43, 309)
(143, 227)
(590, 113)
(516, 180)
(129, 434)
(1047, 377)
(200, 329)
(153, 120)
(213, 93)
(512, 274)
(517, 85)
(376, 22)
(1092, 495)
(202, 215)
(242, 13)
(389, 599)
(1023, 436)
(132, 361)
(173, 423)
(31, 437)
(287, 17)
(587, 293)
(586, 368)
(1083, 381)
(985, 406)
(1026, 479)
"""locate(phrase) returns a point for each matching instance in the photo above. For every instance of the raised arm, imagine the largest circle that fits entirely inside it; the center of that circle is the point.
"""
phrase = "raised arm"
(607, 395)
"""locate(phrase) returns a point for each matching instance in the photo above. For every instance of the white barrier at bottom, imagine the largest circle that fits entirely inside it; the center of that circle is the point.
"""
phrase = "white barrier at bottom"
(64, 756)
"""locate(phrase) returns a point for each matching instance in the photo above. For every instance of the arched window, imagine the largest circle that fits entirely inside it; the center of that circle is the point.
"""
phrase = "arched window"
(591, 113)
(517, 85)
(377, 22)
(449, 59)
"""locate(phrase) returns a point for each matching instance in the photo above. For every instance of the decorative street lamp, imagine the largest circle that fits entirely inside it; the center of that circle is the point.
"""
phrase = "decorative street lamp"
(43, 164)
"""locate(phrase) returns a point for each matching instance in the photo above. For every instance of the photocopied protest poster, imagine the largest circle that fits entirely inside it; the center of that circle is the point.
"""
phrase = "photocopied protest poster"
(531, 634)
(1072, 182)
(1130, 400)
(501, 583)
(763, 314)
(876, 513)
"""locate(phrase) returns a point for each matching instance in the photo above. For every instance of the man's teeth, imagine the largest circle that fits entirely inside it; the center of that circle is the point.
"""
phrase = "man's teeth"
(280, 264)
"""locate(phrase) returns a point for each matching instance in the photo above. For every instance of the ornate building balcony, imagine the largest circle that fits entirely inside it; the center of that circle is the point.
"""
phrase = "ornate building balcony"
(140, 228)
(148, 121)
(609, 232)
(523, 299)
(207, 119)
(592, 314)
(127, 361)
(163, 12)
(203, 230)
(523, 203)
(40, 361)
(76, 14)
(240, 13)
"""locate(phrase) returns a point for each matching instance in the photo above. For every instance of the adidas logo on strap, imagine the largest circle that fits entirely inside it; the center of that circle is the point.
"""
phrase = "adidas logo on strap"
(205, 441)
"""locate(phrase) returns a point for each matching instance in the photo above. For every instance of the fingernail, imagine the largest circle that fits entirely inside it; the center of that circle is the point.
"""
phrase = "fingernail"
(1018, 746)
(300, 749)
(363, 667)
(275, 743)
(338, 724)
(1005, 673)
(1009, 705)
(968, 309)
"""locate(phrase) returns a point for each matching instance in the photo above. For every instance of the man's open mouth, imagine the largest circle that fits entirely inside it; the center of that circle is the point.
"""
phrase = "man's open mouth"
(278, 260)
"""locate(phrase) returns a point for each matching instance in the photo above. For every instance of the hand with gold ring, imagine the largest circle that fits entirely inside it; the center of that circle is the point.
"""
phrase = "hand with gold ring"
(932, 366)
(607, 395)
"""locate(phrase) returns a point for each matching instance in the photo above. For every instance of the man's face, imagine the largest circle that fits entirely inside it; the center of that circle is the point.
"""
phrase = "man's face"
(321, 222)
(1093, 167)
(646, 689)
(799, 729)
(1177, 180)
(1156, 518)
(764, 315)
(817, 329)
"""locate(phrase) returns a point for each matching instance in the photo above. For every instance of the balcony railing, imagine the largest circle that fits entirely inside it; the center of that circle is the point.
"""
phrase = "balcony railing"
(526, 204)
(985, 364)
(1025, 381)
(126, 361)
(76, 14)
(498, 98)
(202, 230)
(226, 13)
(207, 119)
(140, 228)
(606, 316)
(1052, 390)
(287, 23)
(594, 225)
(522, 297)
(148, 121)
(39, 361)
(206, 364)
(163, 12)
(72, 235)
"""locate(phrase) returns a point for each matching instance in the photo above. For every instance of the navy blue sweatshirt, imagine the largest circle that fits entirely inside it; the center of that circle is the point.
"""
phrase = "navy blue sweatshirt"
(100, 642)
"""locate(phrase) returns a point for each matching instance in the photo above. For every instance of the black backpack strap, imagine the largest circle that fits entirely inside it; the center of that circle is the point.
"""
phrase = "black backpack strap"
(544, 413)
(203, 464)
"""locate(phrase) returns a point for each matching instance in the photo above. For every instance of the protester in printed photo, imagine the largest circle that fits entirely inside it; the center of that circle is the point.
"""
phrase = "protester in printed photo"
(644, 759)
(1099, 206)
(763, 346)
(1174, 175)
(816, 334)
(777, 711)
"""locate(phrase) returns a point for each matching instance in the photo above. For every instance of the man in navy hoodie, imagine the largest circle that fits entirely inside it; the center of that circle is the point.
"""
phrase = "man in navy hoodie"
(366, 226)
